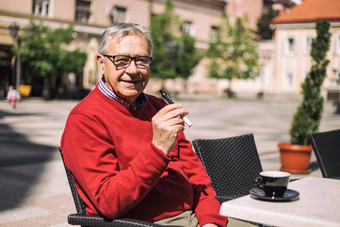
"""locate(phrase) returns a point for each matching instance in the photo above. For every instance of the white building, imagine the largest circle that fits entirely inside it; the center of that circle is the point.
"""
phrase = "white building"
(294, 32)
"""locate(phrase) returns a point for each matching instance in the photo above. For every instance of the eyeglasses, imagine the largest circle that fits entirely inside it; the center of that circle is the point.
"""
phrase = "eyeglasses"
(123, 61)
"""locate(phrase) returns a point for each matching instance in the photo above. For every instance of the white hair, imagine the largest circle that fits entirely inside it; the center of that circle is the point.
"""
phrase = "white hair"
(120, 30)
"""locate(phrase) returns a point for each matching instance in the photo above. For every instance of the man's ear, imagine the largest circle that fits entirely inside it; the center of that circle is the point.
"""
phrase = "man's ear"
(100, 63)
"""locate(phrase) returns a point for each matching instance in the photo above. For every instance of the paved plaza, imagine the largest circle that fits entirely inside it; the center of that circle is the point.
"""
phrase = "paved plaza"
(33, 186)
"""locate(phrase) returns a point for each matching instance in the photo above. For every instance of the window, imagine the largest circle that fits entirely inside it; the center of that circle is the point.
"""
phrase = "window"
(308, 47)
(40, 7)
(118, 14)
(83, 11)
(188, 28)
(288, 80)
(213, 34)
(290, 46)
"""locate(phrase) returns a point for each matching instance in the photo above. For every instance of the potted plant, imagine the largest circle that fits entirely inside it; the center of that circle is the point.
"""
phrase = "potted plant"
(295, 156)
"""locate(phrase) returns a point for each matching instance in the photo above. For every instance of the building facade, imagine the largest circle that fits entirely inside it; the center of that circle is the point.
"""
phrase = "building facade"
(294, 32)
(252, 10)
(284, 61)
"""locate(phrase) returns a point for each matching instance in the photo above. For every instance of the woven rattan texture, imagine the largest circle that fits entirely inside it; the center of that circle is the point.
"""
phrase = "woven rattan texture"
(95, 220)
(326, 146)
(232, 163)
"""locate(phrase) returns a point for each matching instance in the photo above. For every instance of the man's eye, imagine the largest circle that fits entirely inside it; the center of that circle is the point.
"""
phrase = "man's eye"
(122, 59)
(142, 60)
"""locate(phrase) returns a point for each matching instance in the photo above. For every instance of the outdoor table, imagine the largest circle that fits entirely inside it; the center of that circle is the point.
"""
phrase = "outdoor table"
(317, 205)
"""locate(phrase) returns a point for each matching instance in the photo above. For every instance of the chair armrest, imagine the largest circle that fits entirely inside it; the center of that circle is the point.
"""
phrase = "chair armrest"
(98, 221)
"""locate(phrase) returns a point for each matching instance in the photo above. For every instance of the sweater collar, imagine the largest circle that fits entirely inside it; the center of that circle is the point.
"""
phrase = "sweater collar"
(140, 101)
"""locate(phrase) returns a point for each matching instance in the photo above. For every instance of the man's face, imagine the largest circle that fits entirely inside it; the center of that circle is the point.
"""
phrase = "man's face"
(129, 82)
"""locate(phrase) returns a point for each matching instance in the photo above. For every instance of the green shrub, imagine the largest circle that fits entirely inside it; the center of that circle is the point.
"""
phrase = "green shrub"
(307, 118)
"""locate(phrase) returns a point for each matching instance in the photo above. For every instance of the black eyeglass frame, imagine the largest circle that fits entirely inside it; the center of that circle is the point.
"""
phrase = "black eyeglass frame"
(112, 58)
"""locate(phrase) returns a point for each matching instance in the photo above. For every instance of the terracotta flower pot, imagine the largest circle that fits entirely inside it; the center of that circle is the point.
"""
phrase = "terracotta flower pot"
(295, 158)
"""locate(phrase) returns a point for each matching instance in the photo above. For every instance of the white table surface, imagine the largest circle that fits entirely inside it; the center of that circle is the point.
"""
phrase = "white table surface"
(318, 205)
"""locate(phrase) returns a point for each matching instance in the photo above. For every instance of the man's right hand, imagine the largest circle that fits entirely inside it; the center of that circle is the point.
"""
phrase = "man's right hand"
(166, 124)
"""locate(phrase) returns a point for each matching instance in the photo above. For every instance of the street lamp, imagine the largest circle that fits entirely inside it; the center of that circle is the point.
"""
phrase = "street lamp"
(13, 31)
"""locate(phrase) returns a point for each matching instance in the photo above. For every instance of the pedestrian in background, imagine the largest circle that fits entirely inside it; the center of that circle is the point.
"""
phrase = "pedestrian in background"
(13, 96)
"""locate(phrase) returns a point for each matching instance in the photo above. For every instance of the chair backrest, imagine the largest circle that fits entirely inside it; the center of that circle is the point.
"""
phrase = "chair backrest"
(79, 203)
(96, 220)
(326, 146)
(232, 163)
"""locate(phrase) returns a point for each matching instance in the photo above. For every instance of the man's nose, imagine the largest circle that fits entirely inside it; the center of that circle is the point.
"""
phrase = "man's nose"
(132, 68)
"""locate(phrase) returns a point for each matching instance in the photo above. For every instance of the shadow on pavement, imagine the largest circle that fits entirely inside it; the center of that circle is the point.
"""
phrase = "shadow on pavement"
(21, 164)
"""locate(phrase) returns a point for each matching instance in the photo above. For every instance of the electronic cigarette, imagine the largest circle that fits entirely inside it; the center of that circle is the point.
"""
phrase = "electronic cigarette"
(169, 101)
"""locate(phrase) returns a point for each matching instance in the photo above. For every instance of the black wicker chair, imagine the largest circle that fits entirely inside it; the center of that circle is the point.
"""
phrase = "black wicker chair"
(326, 146)
(232, 164)
(80, 218)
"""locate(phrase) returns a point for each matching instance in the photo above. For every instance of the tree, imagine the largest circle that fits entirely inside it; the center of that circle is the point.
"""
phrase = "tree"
(187, 57)
(234, 53)
(162, 28)
(46, 54)
(263, 24)
(173, 56)
(307, 118)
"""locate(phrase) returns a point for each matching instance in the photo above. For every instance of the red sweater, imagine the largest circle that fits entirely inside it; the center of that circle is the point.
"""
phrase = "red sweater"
(120, 173)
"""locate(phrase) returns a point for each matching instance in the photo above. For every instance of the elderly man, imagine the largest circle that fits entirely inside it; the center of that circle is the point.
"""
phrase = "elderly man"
(126, 149)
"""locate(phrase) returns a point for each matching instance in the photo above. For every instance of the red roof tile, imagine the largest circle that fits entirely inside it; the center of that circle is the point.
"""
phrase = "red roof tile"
(311, 11)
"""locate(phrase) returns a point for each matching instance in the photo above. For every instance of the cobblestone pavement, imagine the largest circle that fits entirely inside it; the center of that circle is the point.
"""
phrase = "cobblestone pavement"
(33, 185)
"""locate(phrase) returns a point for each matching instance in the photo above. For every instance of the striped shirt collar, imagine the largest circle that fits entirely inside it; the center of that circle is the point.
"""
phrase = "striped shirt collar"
(140, 101)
